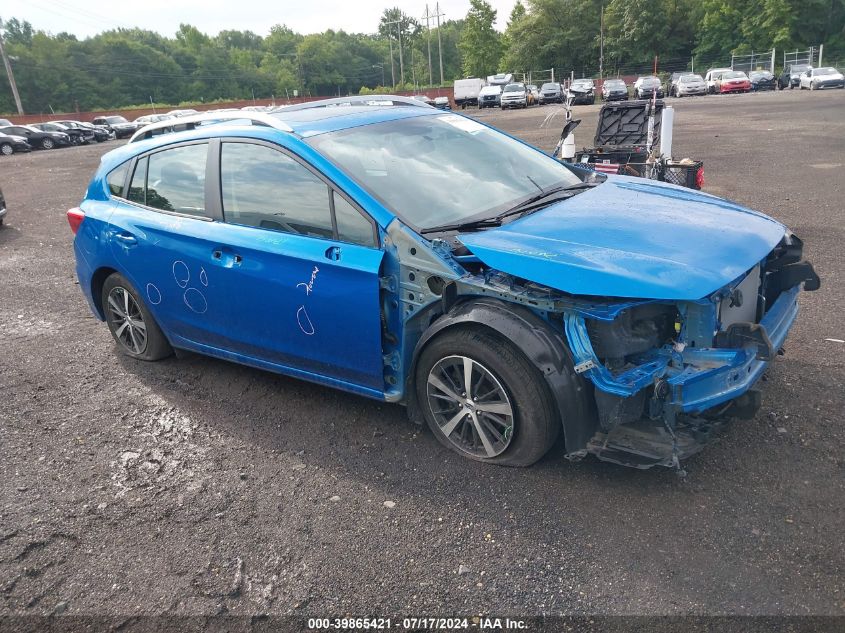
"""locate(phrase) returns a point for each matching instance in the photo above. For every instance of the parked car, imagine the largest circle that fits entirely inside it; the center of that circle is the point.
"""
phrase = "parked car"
(5, 123)
(442, 103)
(118, 125)
(689, 85)
(152, 118)
(791, 75)
(762, 80)
(491, 311)
(533, 94)
(76, 135)
(182, 112)
(614, 90)
(551, 93)
(514, 96)
(711, 76)
(424, 99)
(819, 78)
(2, 206)
(466, 91)
(38, 139)
(645, 87)
(101, 133)
(673, 79)
(582, 92)
(732, 81)
(490, 97)
(10, 143)
(90, 133)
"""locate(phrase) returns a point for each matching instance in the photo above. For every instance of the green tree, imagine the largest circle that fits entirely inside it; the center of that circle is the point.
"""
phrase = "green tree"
(480, 42)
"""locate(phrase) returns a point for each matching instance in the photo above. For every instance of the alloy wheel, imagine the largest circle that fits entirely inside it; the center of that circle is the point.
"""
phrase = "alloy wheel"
(127, 320)
(470, 406)
(6, 149)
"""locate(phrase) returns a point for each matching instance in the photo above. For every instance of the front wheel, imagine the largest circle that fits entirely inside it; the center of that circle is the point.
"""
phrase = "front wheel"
(130, 322)
(6, 149)
(47, 143)
(483, 399)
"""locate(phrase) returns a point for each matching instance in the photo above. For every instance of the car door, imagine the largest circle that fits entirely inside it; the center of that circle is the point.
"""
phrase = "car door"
(299, 264)
(162, 233)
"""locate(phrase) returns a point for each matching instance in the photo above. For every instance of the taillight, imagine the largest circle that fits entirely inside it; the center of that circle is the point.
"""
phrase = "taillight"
(74, 218)
(699, 178)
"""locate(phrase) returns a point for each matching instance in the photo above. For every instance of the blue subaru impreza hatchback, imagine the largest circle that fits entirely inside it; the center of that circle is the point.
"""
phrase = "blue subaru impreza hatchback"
(420, 257)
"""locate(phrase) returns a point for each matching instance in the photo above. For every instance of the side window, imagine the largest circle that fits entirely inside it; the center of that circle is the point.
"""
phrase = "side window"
(138, 186)
(116, 179)
(265, 188)
(176, 180)
(351, 225)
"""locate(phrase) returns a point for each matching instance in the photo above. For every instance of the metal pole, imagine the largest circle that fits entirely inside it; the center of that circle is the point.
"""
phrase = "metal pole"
(392, 65)
(439, 43)
(772, 68)
(428, 30)
(601, 45)
(401, 63)
(10, 74)
(821, 52)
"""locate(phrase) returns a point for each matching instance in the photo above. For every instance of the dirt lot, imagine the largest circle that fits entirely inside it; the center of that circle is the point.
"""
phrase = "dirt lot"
(195, 486)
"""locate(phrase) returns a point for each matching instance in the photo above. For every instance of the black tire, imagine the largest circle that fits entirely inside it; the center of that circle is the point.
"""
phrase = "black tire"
(6, 149)
(47, 143)
(534, 423)
(156, 345)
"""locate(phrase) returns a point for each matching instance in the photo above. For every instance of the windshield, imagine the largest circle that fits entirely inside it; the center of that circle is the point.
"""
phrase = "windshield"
(550, 87)
(826, 71)
(650, 81)
(800, 68)
(514, 88)
(733, 75)
(427, 169)
(116, 119)
(582, 82)
(614, 83)
(689, 79)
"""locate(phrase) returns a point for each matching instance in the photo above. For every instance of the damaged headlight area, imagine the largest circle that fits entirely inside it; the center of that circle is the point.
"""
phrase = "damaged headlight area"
(666, 375)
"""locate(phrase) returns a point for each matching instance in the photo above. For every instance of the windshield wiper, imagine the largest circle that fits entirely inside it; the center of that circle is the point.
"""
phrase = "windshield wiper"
(545, 195)
(534, 201)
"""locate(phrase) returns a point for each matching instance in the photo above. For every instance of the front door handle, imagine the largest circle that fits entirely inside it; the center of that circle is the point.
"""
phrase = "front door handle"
(333, 253)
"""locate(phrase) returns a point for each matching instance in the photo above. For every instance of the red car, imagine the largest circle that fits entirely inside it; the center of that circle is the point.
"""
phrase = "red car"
(733, 81)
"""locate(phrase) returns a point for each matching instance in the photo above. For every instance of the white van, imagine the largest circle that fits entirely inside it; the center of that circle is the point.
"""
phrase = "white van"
(466, 91)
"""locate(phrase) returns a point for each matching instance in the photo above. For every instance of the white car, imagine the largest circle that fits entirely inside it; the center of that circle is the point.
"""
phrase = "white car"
(818, 78)
(490, 97)
(712, 75)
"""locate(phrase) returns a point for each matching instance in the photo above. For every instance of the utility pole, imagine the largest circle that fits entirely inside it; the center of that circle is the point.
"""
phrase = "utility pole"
(9, 73)
(428, 30)
(601, 45)
(437, 14)
(398, 24)
(392, 65)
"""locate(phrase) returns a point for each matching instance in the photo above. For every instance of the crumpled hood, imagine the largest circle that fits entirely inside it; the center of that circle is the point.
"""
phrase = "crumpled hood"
(633, 238)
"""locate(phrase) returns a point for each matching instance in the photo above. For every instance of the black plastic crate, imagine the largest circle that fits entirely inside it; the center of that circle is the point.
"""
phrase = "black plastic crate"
(687, 174)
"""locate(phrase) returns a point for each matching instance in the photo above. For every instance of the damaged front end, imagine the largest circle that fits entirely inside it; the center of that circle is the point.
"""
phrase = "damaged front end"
(667, 374)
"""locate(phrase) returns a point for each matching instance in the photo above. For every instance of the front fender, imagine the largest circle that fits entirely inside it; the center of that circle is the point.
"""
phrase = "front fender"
(542, 345)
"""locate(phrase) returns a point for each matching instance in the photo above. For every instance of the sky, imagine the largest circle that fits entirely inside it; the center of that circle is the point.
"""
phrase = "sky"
(84, 18)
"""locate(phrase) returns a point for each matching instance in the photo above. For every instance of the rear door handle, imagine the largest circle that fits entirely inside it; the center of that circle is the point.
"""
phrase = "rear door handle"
(127, 239)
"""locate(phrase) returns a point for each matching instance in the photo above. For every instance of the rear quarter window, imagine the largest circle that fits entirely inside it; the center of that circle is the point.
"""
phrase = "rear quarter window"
(116, 179)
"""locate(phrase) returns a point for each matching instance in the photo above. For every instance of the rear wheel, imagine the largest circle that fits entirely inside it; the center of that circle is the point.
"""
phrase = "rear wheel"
(131, 325)
(47, 143)
(484, 400)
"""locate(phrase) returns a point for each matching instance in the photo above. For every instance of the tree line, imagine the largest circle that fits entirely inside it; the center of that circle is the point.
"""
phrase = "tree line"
(125, 67)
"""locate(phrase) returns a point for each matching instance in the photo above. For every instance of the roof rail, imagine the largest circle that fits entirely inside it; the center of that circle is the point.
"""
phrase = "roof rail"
(355, 100)
(193, 121)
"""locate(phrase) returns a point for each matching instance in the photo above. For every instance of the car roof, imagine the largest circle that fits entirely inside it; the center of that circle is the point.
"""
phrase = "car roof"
(303, 123)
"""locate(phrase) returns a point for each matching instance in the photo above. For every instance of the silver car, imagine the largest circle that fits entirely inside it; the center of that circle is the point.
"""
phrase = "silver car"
(690, 85)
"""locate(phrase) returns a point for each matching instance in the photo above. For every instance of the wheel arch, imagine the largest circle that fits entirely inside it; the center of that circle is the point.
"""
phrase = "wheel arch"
(545, 348)
(97, 280)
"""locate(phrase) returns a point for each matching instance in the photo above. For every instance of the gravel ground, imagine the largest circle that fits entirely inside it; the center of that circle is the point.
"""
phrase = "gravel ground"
(196, 486)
